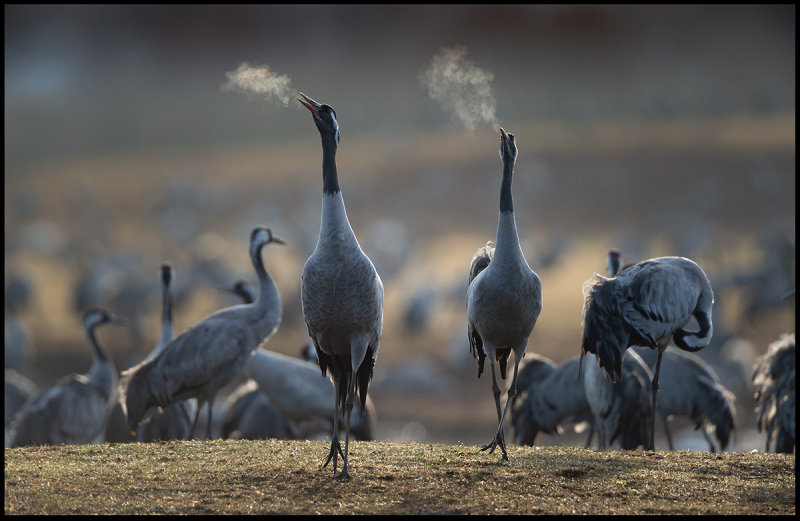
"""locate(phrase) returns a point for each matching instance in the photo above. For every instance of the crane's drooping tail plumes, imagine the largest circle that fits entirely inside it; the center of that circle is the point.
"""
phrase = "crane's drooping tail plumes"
(604, 331)
(480, 261)
(774, 379)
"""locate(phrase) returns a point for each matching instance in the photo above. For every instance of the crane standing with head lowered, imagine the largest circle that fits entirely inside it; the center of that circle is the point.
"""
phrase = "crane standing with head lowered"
(504, 297)
(646, 304)
(341, 293)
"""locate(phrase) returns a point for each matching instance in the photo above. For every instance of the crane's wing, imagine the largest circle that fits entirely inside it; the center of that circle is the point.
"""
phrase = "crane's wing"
(212, 350)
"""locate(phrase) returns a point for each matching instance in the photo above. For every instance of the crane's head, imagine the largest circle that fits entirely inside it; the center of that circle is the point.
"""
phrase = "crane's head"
(95, 317)
(260, 237)
(508, 148)
(614, 263)
(243, 290)
(324, 117)
(167, 274)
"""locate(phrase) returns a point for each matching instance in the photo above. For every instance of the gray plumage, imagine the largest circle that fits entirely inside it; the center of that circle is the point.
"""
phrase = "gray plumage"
(208, 355)
(550, 395)
(341, 293)
(504, 297)
(689, 387)
(75, 410)
(646, 305)
(19, 391)
(622, 410)
(774, 380)
(249, 415)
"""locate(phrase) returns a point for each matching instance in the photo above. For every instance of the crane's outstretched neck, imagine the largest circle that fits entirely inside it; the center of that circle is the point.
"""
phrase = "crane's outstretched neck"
(167, 333)
(506, 202)
(330, 178)
(507, 246)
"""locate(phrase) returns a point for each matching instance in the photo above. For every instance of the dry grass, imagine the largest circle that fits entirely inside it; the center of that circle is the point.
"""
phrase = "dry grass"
(284, 477)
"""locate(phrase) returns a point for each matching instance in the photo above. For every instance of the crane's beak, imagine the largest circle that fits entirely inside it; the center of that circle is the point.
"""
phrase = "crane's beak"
(309, 103)
(274, 238)
(503, 135)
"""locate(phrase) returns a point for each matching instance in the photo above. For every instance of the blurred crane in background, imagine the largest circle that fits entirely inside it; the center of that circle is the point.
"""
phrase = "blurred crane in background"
(208, 355)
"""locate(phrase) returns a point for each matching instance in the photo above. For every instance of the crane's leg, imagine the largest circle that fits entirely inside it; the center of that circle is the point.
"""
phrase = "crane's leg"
(182, 406)
(498, 438)
(336, 448)
(210, 408)
(711, 447)
(196, 417)
(654, 385)
(669, 435)
(591, 435)
(512, 393)
(345, 475)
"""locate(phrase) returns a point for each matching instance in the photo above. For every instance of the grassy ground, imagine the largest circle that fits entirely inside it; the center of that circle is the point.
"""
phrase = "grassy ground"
(284, 477)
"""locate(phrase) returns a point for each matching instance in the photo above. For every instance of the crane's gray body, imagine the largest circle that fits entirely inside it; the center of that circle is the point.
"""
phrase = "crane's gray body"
(341, 292)
(622, 410)
(75, 410)
(691, 388)
(550, 394)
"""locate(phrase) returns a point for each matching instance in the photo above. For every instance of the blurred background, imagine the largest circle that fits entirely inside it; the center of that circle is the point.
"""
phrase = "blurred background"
(666, 130)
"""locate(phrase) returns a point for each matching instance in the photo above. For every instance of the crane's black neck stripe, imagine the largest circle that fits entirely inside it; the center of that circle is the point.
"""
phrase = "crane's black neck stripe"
(330, 177)
(101, 354)
(506, 202)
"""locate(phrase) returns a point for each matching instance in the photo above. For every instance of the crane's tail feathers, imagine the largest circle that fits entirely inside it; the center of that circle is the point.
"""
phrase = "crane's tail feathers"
(481, 260)
(134, 391)
(604, 332)
(364, 375)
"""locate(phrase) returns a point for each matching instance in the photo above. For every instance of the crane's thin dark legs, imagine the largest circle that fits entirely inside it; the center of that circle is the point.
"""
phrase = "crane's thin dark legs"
(654, 384)
(345, 475)
(336, 448)
(669, 434)
(499, 438)
(208, 428)
(182, 405)
(196, 417)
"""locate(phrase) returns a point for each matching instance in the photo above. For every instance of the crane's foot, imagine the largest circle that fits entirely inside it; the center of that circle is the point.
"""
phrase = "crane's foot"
(336, 450)
(344, 475)
(498, 440)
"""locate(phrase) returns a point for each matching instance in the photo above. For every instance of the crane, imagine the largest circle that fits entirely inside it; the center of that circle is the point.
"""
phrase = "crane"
(205, 357)
(504, 297)
(690, 387)
(74, 410)
(549, 395)
(646, 305)
(341, 293)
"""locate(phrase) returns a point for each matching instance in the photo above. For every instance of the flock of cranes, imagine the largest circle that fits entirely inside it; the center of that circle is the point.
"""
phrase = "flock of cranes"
(618, 391)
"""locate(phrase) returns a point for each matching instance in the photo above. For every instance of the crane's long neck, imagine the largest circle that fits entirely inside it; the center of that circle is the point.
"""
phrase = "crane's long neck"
(102, 374)
(335, 227)
(507, 248)
(330, 178)
(167, 333)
